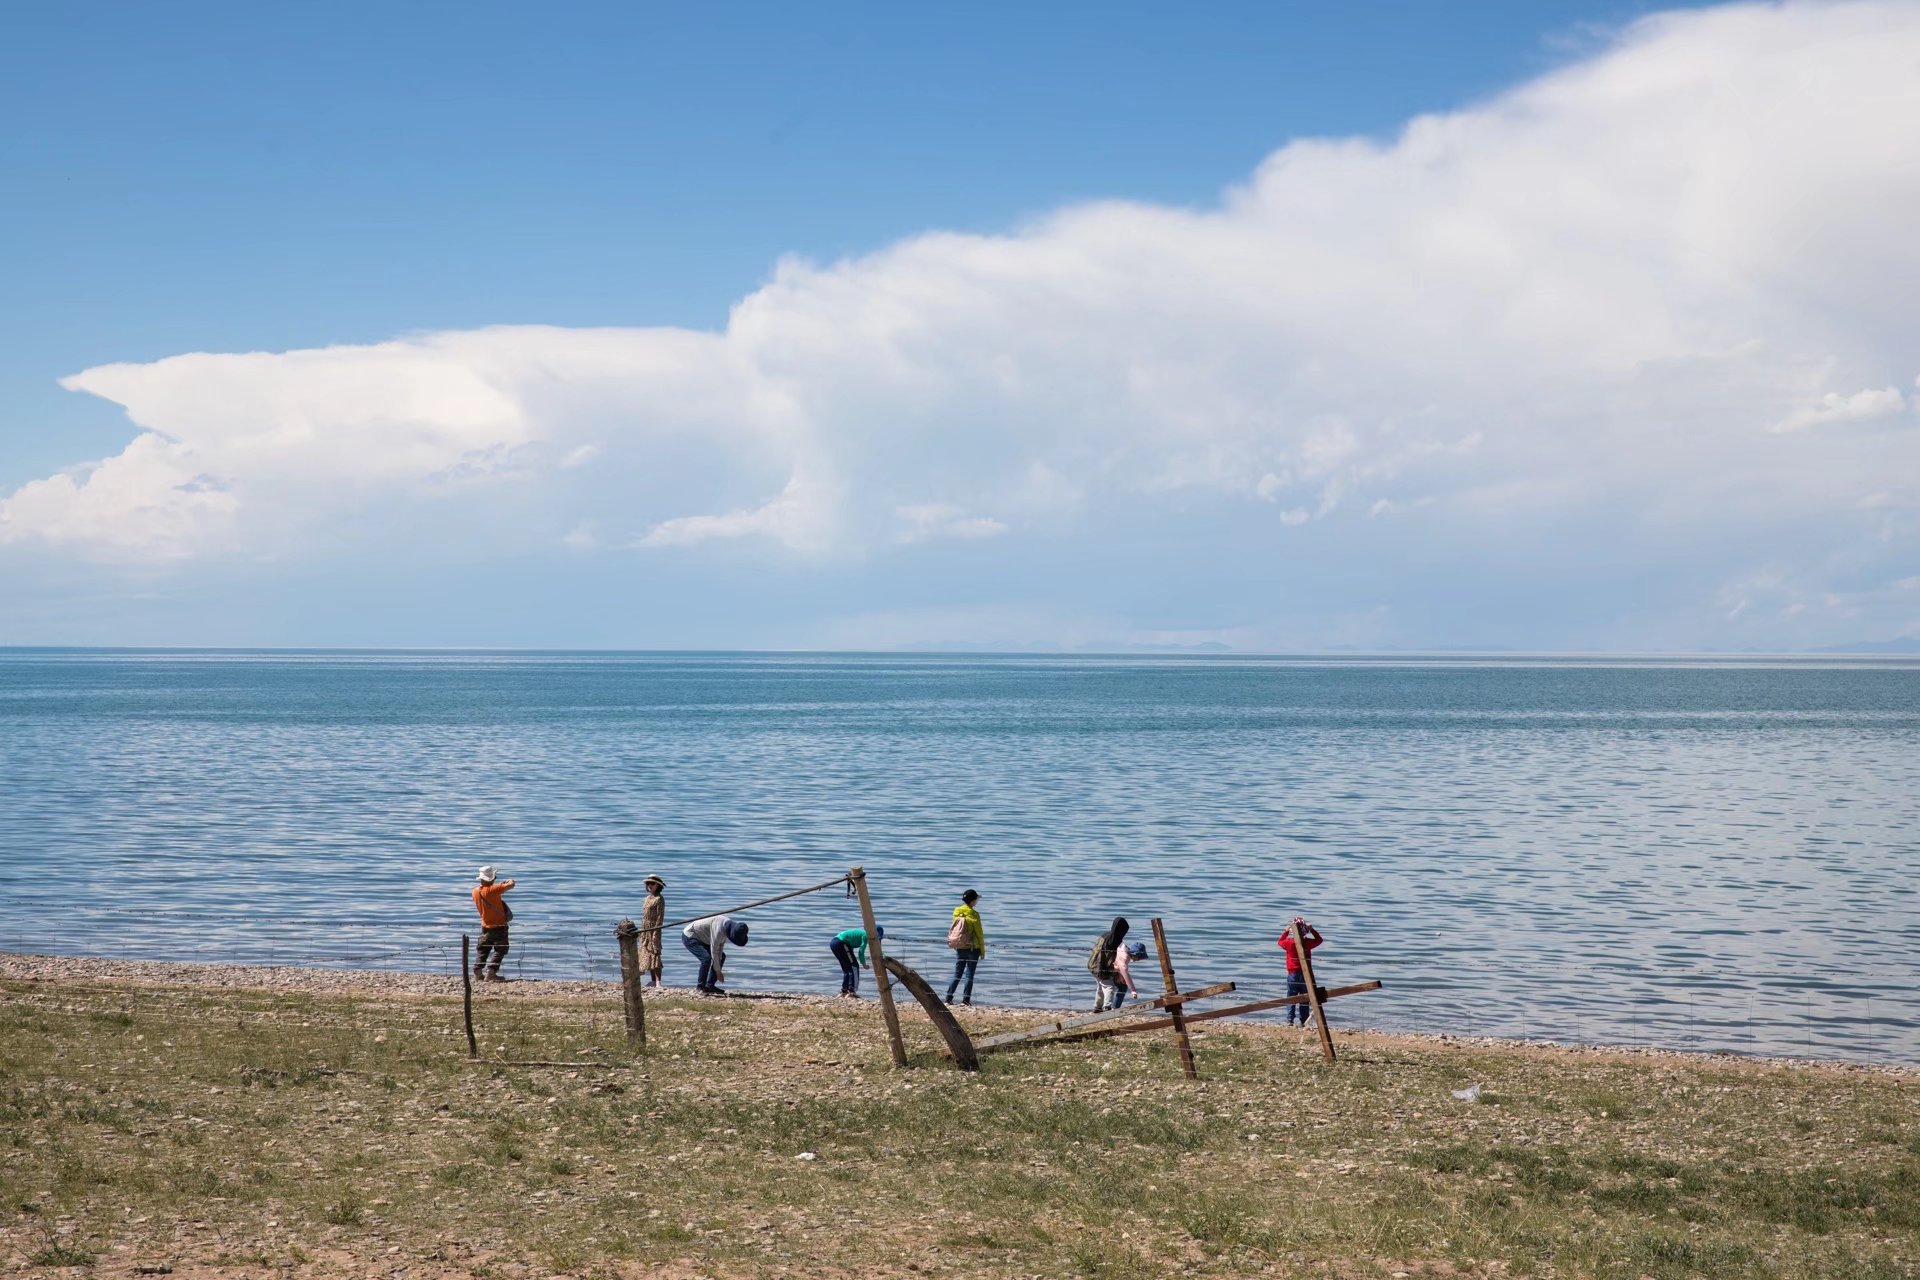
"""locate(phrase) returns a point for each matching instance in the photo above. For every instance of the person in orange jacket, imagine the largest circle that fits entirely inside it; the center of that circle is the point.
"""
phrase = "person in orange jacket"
(494, 916)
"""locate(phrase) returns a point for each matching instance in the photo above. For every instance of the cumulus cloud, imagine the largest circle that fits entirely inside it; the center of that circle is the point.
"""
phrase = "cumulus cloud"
(1834, 408)
(1622, 303)
(944, 520)
(800, 517)
(150, 501)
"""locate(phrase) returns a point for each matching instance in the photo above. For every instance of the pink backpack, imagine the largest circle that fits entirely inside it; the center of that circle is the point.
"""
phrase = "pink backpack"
(959, 937)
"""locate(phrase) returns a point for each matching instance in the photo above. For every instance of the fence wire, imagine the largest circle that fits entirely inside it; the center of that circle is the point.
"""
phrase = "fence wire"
(1870, 1016)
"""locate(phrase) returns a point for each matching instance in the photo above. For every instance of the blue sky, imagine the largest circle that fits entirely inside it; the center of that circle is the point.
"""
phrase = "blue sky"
(228, 179)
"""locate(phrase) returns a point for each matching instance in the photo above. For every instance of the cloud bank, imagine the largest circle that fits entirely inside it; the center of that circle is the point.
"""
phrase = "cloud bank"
(1656, 304)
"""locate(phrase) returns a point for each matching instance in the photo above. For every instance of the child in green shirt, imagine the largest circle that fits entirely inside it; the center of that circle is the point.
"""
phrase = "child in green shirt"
(849, 947)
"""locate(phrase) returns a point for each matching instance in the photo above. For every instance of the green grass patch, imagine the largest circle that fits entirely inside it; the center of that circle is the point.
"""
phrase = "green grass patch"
(255, 1129)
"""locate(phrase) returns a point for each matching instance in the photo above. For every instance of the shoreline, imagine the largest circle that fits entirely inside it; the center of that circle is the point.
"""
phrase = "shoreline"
(36, 967)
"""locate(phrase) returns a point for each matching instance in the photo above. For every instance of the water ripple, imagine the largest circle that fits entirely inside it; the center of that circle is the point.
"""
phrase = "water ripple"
(1711, 854)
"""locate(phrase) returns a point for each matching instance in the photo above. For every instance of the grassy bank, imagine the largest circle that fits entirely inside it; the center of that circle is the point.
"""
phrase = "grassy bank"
(258, 1131)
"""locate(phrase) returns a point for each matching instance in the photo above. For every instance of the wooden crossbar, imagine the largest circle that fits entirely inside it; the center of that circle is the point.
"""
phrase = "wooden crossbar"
(1258, 1006)
(1092, 1019)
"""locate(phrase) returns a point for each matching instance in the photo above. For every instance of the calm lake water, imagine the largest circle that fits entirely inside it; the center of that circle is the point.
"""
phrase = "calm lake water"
(1711, 854)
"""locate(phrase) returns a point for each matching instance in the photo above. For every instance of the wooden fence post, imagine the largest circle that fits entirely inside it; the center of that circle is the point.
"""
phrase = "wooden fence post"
(1174, 1010)
(1313, 990)
(466, 992)
(882, 978)
(628, 935)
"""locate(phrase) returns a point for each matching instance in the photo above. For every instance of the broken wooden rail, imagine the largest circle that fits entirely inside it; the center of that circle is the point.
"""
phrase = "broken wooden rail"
(1058, 1025)
(1116, 1022)
(1258, 1006)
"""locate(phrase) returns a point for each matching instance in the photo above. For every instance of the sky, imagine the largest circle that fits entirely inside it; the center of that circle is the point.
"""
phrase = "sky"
(1281, 327)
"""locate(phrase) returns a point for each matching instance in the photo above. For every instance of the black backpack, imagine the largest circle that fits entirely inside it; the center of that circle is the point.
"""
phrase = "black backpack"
(1100, 960)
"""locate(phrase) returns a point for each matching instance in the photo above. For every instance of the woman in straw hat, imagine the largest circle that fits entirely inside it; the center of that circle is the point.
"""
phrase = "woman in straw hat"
(653, 914)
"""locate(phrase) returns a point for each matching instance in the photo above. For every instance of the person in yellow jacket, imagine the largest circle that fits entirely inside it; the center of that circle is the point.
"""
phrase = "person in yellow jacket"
(968, 938)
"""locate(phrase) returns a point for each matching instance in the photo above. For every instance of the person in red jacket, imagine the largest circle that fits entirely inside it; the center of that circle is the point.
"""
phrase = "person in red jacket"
(494, 915)
(1296, 979)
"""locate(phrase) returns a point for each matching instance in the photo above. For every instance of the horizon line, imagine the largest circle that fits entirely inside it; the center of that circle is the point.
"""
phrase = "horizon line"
(1856, 649)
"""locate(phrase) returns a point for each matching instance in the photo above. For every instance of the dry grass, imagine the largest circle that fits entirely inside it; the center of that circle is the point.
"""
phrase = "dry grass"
(255, 1133)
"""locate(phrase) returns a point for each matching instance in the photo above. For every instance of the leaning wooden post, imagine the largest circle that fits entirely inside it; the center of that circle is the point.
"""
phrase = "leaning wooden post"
(1313, 989)
(466, 992)
(882, 979)
(628, 934)
(959, 1043)
(1174, 1010)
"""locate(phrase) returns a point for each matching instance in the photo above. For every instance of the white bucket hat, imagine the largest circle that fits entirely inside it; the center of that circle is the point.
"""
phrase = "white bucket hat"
(486, 875)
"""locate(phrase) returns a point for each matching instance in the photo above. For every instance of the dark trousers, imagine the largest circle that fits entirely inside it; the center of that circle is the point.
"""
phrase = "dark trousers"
(493, 942)
(704, 954)
(966, 961)
(849, 968)
(1297, 986)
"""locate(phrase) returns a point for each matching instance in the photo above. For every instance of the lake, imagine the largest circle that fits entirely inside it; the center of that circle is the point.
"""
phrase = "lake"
(1710, 853)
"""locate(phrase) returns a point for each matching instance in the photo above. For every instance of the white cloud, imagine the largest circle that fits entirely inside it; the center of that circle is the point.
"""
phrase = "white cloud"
(943, 520)
(1834, 408)
(148, 501)
(1608, 308)
(800, 517)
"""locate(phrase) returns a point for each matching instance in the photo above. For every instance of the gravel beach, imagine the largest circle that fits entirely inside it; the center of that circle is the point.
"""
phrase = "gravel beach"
(387, 983)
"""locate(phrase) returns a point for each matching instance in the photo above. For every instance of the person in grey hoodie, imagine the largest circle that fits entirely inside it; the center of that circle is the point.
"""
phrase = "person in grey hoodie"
(708, 938)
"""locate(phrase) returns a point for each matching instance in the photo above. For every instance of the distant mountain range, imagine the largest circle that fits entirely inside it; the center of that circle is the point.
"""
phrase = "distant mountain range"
(1042, 646)
(1900, 644)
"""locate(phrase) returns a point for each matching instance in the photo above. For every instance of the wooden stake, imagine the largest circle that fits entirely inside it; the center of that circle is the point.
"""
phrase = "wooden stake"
(1179, 1017)
(1313, 990)
(628, 935)
(882, 979)
(466, 992)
